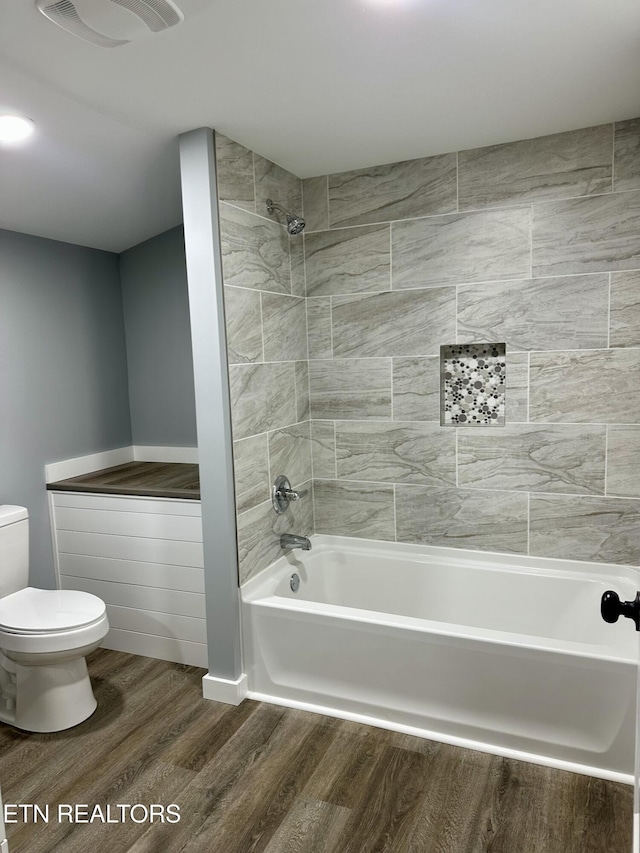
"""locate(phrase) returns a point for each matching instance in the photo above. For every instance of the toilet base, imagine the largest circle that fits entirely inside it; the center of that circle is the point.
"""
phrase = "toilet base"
(50, 698)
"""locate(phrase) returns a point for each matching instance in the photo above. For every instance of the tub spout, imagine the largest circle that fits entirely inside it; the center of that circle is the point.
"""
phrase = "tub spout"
(291, 540)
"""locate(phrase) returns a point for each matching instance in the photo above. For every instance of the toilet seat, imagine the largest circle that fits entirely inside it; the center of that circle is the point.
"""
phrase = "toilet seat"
(46, 620)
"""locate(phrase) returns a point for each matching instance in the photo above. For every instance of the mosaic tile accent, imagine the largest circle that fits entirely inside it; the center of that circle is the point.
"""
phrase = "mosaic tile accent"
(472, 384)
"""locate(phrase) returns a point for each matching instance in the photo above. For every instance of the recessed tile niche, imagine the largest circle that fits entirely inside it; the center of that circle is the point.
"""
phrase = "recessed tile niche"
(472, 384)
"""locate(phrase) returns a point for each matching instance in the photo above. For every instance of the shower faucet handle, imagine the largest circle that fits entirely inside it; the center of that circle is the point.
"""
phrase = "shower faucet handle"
(282, 494)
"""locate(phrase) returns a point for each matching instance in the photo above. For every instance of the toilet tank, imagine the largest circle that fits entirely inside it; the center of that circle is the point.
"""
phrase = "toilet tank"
(14, 549)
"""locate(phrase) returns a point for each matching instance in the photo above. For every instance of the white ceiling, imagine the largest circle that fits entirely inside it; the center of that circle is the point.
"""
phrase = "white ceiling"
(315, 85)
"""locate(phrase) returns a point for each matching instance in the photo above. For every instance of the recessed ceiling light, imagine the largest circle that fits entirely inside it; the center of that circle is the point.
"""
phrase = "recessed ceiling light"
(15, 128)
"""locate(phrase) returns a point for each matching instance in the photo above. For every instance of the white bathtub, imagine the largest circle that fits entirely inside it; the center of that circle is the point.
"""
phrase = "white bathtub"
(504, 654)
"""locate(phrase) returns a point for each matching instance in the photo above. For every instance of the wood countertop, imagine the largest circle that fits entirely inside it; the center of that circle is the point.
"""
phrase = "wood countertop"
(150, 479)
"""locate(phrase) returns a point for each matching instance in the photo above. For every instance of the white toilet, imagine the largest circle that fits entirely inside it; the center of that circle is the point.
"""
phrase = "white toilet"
(44, 637)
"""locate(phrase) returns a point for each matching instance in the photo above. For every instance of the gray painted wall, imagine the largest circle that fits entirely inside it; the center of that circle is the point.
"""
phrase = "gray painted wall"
(63, 372)
(158, 335)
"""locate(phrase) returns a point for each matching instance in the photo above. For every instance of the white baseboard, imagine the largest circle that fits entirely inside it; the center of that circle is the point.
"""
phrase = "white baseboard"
(223, 690)
(86, 464)
(151, 453)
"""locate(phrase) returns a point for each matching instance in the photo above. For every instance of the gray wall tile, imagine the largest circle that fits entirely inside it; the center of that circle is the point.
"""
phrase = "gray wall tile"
(623, 461)
(585, 528)
(626, 167)
(413, 323)
(583, 235)
(592, 386)
(303, 407)
(255, 252)
(354, 509)
(567, 459)
(350, 389)
(234, 165)
(262, 397)
(348, 260)
(625, 309)
(285, 327)
(570, 312)
(281, 186)
(244, 325)
(296, 252)
(464, 247)
(319, 327)
(290, 453)
(259, 532)
(382, 452)
(394, 191)
(576, 163)
(416, 389)
(323, 449)
(517, 395)
(458, 518)
(251, 466)
(315, 203)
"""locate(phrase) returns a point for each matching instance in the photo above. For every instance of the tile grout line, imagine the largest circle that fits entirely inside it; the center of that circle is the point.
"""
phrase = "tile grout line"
(528, 387)
(606, 457)
(613, 156)
(609, 315)
(264, 357)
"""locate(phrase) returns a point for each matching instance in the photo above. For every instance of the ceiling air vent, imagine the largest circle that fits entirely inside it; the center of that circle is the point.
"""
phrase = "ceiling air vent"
(111, 23)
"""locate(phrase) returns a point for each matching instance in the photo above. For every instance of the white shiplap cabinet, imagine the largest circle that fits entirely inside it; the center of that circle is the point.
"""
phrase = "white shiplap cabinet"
(143, 557)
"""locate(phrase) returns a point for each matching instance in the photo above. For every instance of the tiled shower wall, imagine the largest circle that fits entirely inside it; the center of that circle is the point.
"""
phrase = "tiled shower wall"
(263, 271)
(534, 243)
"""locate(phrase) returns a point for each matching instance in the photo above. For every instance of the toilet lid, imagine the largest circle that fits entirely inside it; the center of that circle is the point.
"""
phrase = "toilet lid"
(46, 611)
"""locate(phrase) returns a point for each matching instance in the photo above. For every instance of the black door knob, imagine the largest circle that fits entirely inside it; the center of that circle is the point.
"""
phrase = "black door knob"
(612, 608)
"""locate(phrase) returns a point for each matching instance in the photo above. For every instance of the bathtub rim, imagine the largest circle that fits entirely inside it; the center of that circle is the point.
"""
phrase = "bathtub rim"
(260, 590)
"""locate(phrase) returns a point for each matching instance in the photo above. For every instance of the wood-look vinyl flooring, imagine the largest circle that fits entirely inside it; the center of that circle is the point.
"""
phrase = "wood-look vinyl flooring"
(258, 778)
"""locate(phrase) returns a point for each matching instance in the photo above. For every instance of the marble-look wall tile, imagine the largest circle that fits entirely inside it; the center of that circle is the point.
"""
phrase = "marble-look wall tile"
(244, 325)
(303, 407)
(412, 322)
(592, 386)
(459, 518)
(350, 389)
(416, 389)
(625, 309)
(581, 235)
(575, 163)
(585, 528)
(290, 453)
(323, 449)
(284, 320)
(251, 465)
(262, 397)
(465, 247)
(259, 532)
(315, 203)
(319, 327)
(568, 459)
(382, 452)
(394, 191)
(570, 312)
(281, 186)
(627, 155)
(517, 395)
(234, 166)
(348, 260)
(623, 461)
(255, 252)
(354, 509)
(296, 252)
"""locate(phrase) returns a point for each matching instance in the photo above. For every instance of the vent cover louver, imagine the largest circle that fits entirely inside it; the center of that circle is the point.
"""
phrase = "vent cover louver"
(111, 23)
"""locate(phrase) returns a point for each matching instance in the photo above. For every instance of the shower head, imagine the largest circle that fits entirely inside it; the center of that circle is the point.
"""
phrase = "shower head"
(295, 224)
